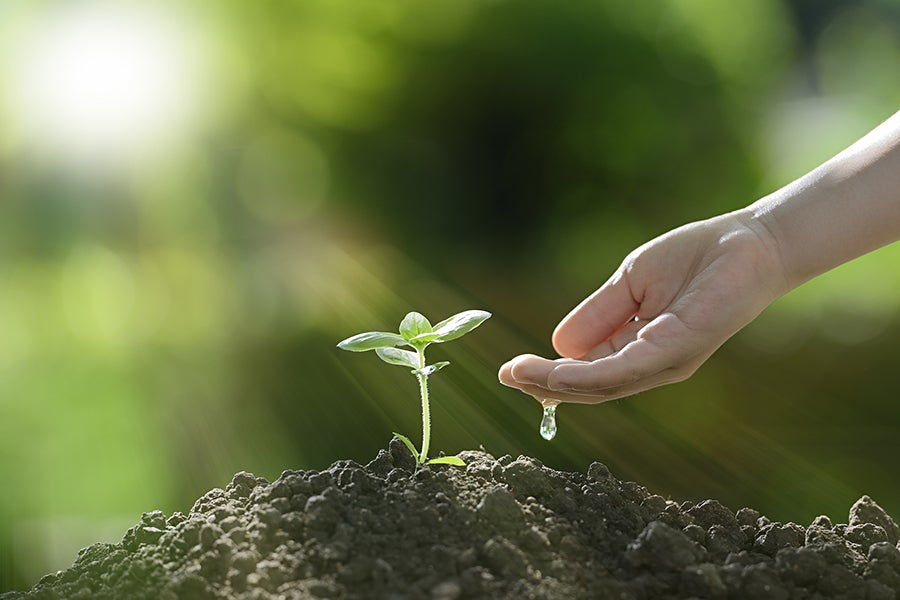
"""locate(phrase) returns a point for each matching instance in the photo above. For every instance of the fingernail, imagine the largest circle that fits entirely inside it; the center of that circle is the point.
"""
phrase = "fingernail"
(518, 379)
(559, 386)
(556, 382)
(525, 379)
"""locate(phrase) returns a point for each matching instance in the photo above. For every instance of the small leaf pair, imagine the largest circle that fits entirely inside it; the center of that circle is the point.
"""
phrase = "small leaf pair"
(417, 332)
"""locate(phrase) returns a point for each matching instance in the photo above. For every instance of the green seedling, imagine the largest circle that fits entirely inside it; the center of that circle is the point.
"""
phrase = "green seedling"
(418, 333)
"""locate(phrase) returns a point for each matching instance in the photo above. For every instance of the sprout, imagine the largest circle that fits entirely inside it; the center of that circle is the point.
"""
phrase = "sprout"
(418, 333)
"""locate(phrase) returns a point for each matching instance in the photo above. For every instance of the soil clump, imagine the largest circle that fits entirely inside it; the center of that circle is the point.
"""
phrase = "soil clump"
(498, 528)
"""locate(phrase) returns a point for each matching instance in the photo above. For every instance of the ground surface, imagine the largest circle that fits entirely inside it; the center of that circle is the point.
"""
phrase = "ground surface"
(500, 528)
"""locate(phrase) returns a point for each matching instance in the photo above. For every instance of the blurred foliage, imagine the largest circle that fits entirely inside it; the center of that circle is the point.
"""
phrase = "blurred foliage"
(168, 313)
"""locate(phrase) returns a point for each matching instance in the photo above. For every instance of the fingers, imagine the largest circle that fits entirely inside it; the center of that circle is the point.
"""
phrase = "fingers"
(596, 319)
(640, 356)
(539, 392)
(618, 340)
(589, 397)
(529, 368)
(638, 361)
(662, 344)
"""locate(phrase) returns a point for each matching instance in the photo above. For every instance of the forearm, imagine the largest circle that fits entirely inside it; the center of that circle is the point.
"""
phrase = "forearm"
(843, 209)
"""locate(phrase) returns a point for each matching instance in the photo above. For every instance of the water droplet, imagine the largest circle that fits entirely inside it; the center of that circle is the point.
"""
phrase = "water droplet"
(548, 423)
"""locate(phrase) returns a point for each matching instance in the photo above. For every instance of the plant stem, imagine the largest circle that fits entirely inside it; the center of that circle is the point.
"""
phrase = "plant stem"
(426, 409)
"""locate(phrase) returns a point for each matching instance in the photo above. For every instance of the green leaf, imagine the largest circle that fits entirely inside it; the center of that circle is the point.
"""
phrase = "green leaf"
(409, 445)
(370, 341)
(414, 324)
(460, 324)
(446, 460)
(396, 356)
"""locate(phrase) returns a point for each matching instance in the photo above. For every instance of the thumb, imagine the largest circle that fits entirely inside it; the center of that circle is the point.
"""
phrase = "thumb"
(596, 319)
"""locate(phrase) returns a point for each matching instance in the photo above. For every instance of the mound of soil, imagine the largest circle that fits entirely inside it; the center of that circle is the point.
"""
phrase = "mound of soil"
(499, 528)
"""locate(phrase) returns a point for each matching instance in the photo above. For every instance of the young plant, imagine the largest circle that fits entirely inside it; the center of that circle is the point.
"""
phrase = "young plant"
(418, 333)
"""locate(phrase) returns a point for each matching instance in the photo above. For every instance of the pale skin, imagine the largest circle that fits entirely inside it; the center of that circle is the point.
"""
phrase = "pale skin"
(676, 299)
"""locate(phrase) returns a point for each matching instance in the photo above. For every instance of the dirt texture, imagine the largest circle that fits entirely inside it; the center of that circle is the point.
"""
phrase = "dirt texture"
(498, 528)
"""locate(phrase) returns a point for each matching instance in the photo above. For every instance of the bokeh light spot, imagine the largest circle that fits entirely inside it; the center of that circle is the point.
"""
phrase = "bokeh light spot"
(98, 80)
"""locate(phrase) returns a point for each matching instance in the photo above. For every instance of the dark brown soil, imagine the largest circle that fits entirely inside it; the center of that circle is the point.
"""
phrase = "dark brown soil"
(499, 528)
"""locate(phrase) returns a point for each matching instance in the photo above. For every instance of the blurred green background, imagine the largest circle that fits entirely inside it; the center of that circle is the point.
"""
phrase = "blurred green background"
(199, 199)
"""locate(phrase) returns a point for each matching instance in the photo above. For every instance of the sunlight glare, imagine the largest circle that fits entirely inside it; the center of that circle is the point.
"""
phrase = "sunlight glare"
(103, 80)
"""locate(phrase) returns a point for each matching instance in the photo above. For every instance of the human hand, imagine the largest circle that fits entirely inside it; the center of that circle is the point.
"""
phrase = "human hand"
(668, 307)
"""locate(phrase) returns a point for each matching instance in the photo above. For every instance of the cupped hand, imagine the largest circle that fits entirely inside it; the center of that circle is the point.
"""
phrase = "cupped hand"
(668, 307)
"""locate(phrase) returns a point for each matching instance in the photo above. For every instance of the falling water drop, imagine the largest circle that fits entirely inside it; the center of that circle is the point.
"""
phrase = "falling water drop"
(548, 422)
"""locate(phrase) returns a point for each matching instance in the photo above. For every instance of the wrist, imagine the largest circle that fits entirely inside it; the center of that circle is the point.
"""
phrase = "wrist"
(772, 262)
